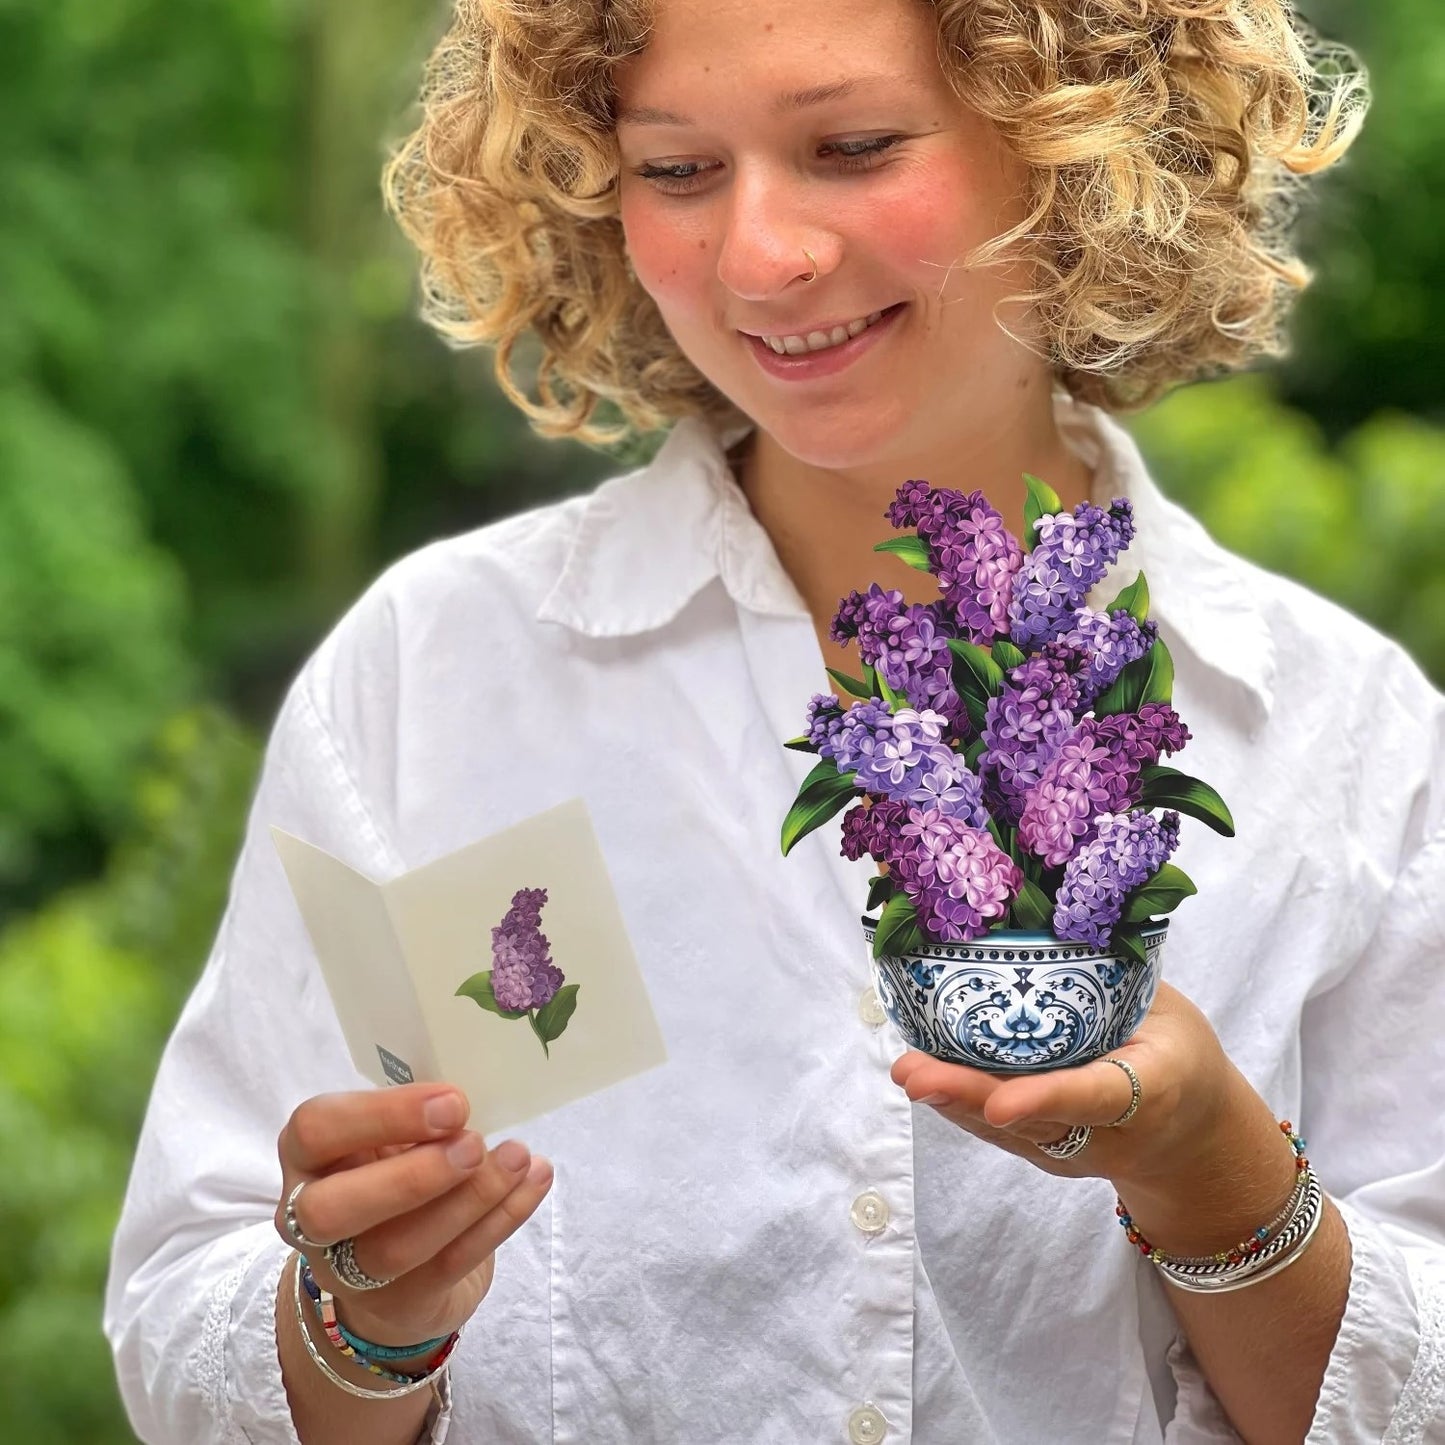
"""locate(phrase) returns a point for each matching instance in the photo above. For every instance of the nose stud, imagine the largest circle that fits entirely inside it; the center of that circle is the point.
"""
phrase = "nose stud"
(812, 260)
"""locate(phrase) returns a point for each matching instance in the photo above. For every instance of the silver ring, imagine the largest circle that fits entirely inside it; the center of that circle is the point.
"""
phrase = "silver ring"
(293, 1225)
(341, 1256)
(1072, 1143)
(1135, 1094)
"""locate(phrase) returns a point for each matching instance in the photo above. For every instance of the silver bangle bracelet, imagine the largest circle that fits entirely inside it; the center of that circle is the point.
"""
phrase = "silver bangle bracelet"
(337, 1379)
(1277, 1267)
(1273, 1229)
(1216, 1278)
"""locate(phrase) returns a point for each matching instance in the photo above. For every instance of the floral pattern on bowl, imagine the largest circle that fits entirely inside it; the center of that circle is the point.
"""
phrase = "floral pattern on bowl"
(1017, 1002)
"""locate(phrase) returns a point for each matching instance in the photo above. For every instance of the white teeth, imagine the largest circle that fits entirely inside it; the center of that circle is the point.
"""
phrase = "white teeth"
(820, 340)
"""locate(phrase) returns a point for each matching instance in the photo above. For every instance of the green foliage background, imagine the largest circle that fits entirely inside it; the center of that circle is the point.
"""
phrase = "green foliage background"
(218, 420)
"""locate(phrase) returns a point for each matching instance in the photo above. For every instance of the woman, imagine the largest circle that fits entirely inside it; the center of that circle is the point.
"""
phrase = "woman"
(847, 243)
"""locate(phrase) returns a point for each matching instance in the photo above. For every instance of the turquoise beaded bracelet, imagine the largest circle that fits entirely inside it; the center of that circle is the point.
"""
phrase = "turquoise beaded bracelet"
(365, 1347)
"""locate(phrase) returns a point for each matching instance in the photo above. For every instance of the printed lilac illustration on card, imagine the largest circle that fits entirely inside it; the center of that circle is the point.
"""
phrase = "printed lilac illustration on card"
(523, 982)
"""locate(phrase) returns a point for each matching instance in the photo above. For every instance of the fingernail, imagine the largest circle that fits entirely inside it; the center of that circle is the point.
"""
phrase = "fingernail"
(511, 1155)
(540, 1172)
(465, 1152)
(444, 1112)
(935, 1099)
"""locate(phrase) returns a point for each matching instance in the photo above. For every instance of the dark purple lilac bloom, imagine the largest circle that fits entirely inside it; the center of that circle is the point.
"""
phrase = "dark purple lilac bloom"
(866, 616)
(971, 552)
(1129, 849)
(1111, 641)
(913, 658)
(523, 974)
(874, 830)
(1072, 552)
(1024, 726)
(1096, 771)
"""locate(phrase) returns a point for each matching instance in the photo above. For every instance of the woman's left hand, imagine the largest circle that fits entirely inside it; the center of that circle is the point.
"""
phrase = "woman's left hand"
(1188, 1088)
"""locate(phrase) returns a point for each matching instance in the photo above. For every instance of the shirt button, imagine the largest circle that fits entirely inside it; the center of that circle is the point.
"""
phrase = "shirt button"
(870, 1007)
(866, 1425)
(870, 1212)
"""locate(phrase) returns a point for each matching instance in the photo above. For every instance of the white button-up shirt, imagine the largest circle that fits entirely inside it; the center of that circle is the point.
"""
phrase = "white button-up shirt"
(771, 1243)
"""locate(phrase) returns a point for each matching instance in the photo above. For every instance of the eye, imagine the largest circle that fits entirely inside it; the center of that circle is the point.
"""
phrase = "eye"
(859, 155)
(847, 156)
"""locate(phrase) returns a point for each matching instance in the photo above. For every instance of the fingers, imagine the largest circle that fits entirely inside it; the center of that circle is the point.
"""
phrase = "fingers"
(1096, 1093)
(325, 1130)
(406, 1241)
(351, 1201)
(476, 1244)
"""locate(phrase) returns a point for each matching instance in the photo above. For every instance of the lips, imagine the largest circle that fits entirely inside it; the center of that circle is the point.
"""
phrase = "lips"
(830, 359)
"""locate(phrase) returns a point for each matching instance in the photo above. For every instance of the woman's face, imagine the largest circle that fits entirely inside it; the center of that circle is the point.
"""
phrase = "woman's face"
(752, 132)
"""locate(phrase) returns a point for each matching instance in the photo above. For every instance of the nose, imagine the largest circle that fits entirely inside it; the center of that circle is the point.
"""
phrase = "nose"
(768, 230)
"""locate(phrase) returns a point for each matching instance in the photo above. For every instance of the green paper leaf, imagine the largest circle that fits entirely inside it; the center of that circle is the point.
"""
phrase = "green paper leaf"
(890, 695)
(1148, 679)
(912, 549)
(1128, 941)
(825, 792)
(553, 1016)
(976, 676)
(1162, 893)
(1169, 788)
(1042, 498)
(1032, 908)
(880, 890)
(1007, 655)
(898, 931)
(1134, 599)
(851, 685)
(478, 988)
(973, 752)
(1159, 686)
(800, 744)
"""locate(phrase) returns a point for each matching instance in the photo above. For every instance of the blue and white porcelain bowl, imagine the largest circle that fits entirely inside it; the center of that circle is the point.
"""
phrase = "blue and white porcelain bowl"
(1015, 1002)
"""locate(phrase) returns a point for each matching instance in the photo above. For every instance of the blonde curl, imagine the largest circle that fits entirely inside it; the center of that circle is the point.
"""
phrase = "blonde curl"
(1165, 142)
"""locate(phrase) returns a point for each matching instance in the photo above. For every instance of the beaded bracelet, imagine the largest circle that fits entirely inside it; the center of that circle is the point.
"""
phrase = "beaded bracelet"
(326, 1312)
(436, 1379)
(365, 1347)
(1282, 1252)
(1254, 1259)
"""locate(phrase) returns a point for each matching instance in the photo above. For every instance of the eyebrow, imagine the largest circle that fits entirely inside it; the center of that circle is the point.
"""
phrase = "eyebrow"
(789, 100)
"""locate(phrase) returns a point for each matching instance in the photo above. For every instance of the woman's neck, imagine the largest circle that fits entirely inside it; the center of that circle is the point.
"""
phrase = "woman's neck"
(824, 523)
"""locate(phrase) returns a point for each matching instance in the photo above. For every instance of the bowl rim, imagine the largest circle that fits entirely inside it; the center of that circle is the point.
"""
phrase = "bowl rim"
(1022, 936)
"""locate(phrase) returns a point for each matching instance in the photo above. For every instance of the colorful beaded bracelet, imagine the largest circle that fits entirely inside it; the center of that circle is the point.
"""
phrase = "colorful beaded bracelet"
(347, 1344)
(1246, 1248)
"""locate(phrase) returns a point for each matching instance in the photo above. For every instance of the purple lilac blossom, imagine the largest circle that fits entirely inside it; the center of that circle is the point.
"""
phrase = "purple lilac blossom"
(913, 658)
(1095, 772)
(1111, 641)
(1071, 553)
(825, 717)
(971, 552)
(960, 881)
(1024, 727)
(523, 974)
(1130, 849)
(874, 829)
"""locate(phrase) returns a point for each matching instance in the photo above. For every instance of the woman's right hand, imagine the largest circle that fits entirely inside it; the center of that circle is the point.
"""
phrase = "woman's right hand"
(426, 1203)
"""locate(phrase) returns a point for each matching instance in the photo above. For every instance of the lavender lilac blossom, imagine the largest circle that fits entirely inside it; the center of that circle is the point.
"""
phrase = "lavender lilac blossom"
(971, 552)
(1095, 772)
(1024, 727)
(1111, 641)
(1071, 553)
(523, 974)
(1129, 849)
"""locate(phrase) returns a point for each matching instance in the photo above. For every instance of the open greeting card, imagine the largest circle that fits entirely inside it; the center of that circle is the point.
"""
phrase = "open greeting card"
(503, 968)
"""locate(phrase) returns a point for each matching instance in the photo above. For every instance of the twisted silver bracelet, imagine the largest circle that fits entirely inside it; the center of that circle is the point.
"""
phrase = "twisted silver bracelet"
(1282, 1251)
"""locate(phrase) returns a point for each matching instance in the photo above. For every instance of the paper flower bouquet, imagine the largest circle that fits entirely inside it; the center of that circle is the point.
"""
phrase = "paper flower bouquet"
(999, 759)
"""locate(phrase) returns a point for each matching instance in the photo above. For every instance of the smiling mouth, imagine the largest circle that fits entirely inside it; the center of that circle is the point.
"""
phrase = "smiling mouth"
(824, 339)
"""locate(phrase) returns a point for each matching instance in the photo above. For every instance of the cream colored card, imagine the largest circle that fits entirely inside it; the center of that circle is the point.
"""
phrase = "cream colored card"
(407, 961)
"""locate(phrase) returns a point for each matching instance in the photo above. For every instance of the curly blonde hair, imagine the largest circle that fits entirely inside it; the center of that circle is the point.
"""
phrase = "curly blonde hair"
(1165, 141)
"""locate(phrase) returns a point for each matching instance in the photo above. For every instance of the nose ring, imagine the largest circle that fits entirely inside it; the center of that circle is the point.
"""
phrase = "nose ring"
(814, 263)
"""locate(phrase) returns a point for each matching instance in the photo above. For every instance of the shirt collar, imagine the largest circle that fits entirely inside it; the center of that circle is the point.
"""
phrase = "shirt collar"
(648, 542)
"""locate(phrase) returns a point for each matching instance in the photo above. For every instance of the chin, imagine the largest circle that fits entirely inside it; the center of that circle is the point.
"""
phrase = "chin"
(835, 443)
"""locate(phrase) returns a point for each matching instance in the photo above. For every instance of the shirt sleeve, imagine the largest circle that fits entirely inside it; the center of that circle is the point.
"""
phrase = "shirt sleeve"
(191, 1295)
(1373, 1081)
